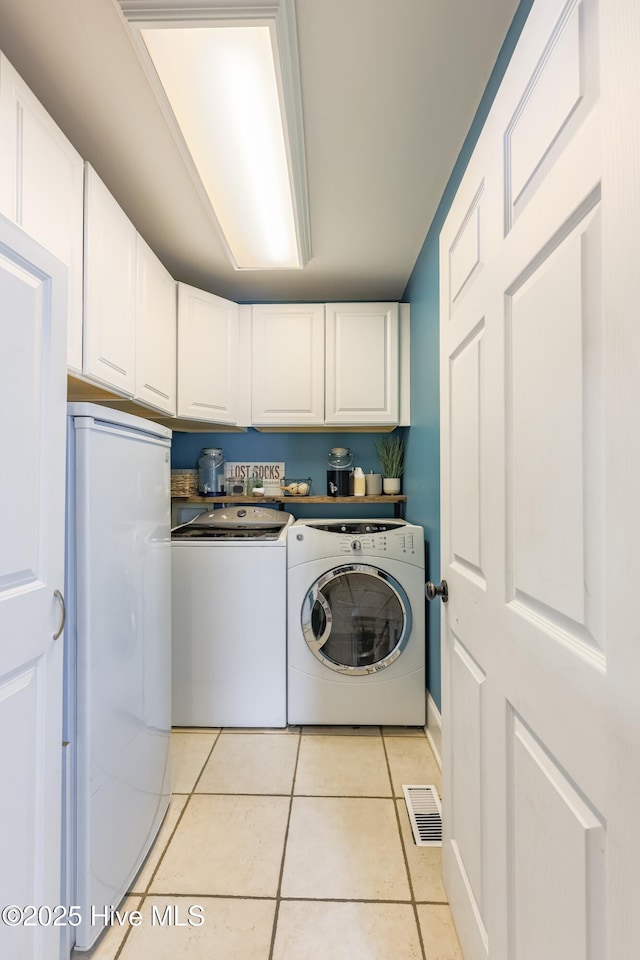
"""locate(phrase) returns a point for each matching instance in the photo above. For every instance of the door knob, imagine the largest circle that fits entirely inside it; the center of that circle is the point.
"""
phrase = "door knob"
(432, 591)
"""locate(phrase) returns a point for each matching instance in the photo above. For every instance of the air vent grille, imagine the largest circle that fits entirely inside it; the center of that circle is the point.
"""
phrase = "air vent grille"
(425, 813)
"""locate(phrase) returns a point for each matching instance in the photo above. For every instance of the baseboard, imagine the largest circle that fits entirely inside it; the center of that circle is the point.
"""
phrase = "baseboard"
(433, 729)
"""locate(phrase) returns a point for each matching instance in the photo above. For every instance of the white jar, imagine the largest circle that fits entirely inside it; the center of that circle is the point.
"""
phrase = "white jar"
(359, 482)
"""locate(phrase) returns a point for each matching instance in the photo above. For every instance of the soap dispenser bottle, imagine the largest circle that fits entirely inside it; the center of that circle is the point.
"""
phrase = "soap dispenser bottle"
(359, 484)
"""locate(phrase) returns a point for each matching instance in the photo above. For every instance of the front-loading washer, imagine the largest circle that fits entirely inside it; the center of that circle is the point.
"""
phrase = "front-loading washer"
(356, 623)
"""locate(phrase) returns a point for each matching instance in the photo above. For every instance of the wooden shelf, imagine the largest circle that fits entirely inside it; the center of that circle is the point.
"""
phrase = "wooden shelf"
(383, 498)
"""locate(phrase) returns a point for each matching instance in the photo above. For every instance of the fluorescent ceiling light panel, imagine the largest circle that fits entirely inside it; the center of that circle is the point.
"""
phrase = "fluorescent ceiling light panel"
(225, 90)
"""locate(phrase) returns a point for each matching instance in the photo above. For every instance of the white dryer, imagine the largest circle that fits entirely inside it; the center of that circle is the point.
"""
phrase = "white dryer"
(356, 623)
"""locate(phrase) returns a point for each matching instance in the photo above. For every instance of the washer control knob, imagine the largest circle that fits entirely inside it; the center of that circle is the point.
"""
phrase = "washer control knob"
(356, 545)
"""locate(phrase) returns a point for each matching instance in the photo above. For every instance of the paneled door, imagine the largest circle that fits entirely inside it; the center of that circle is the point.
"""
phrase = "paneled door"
(42, 188)
(287, 364)
(109, 331)
(33, 322)
(533, 815)
(362, 363)
(209, 377)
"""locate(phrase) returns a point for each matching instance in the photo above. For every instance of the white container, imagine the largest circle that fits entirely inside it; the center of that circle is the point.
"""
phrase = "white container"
(373, 482)
(359, 483)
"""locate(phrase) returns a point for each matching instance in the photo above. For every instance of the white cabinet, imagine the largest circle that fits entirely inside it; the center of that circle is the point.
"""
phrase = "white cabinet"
(109, 290)
(211, 365)
(155, 331)
(361, 385)
(336, 364)
(41, 188)
(287, 347)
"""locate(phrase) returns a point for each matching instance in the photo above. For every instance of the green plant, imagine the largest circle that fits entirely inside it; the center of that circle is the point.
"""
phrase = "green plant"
(391, 452)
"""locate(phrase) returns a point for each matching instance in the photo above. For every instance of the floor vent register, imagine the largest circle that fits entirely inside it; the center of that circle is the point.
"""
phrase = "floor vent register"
(425, 813)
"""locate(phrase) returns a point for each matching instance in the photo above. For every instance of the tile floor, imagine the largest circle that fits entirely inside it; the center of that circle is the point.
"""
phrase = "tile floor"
(296, 845)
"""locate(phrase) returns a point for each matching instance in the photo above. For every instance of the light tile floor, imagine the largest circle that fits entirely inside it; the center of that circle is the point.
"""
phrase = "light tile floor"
(295, 845)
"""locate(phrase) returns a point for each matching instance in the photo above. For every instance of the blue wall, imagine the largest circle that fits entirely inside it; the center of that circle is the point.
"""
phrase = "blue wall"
(304, 455)
(422, 467)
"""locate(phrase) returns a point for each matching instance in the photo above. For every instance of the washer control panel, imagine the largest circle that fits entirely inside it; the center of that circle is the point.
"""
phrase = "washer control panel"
(359, 527)
(355, 541)
(360, 539)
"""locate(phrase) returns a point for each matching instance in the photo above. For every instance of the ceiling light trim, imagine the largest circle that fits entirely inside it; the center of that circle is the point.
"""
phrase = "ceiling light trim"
(154, 11)
(280, 16)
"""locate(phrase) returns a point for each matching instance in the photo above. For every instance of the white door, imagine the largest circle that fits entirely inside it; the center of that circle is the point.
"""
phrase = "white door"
(33, 318)
(42, 187)
(361, 366)
(287, 352)
(209, 362)
(533, 819)
(155, 331)
(109, 289)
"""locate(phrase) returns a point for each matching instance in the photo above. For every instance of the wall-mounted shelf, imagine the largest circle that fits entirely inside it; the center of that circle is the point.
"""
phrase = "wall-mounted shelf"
(397, 501)
(219, 501)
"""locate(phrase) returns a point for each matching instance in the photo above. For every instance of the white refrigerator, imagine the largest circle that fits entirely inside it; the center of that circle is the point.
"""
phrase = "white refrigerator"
(118, 655)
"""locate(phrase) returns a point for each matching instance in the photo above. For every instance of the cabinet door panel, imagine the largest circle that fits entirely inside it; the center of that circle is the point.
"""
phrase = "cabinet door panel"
(155, 332)
(362, 363)
(288, 364)
(208, 356)
(109, 289)
(41, 188)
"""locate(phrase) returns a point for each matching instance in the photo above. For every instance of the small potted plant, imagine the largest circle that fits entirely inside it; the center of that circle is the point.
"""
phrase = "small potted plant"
(391, 452)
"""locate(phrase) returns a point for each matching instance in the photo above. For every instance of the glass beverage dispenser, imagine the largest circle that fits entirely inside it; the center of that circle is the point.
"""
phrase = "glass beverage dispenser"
(339, 474)
(211, 472)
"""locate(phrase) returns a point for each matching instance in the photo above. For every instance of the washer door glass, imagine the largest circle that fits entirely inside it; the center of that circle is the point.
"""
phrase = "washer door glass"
(356, 619)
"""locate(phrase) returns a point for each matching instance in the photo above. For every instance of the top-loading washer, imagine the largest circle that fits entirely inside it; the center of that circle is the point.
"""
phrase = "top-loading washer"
(356, 623)
(229, 592)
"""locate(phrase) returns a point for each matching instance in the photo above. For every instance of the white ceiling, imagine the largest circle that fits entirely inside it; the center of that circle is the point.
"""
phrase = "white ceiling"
(389, 90)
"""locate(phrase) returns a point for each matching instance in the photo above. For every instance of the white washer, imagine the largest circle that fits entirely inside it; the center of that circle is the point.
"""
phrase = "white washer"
(229, 573)
(356, 624)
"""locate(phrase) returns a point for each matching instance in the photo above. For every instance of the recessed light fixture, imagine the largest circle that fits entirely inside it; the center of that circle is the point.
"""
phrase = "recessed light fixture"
(227, 76)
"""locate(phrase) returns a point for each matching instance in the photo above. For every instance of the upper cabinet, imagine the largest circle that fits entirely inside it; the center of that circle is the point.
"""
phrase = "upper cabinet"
(178, 350)
(155, 332)
(339, 364)
(361, 373)
(41, 188)
(212, 358)
(287, 348)
(110, 243)
(129, 306)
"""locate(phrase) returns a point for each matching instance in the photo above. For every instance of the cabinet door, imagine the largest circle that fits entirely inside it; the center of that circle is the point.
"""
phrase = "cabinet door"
(288, 364)
(41, 188)
(208, 356)
(361, 384)
(155, 332)
(109, 289)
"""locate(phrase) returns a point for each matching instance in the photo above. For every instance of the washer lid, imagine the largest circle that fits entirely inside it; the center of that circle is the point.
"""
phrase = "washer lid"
(240, 518)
